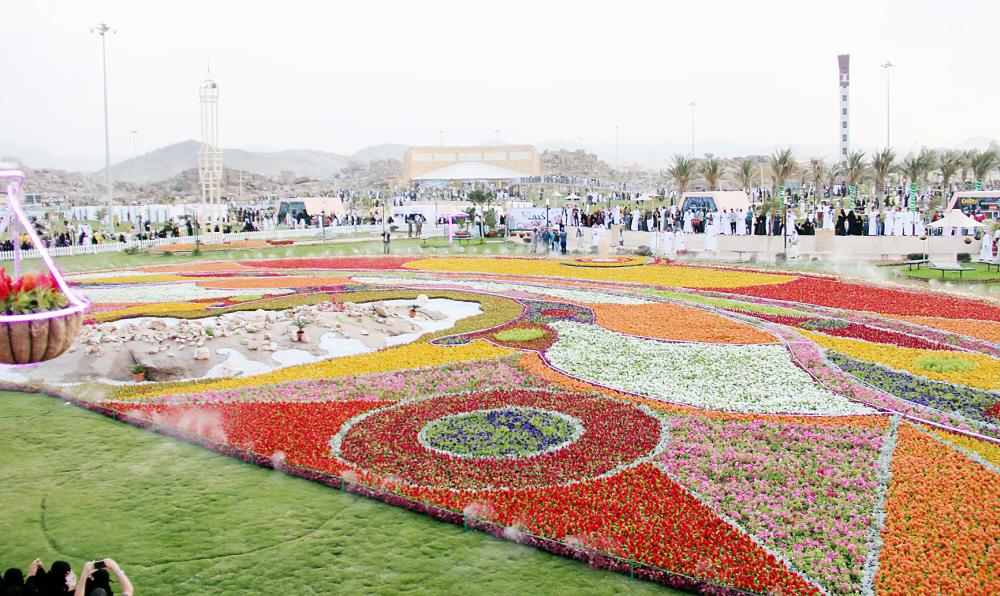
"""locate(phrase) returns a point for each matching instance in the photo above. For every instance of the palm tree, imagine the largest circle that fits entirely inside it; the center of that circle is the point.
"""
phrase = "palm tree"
(682, 171)
(746, 173)
(949, 164)
(882, 163)
(928, 161)
(712, 170)
(967, 157)
(855, 167)
(910, 168)
(818, 168)
(782, 166)
(983, 163)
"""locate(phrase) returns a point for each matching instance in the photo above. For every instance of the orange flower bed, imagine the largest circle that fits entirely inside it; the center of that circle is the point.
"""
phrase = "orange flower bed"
(672, 321)
(213, 267)
(942, 512)
(984, 330)
(303, 281)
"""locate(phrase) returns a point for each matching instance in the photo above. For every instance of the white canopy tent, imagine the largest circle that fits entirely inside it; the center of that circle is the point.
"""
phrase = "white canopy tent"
(956, 219)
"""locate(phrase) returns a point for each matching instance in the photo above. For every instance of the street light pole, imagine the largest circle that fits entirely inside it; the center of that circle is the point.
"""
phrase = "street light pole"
(616, 146)
(887, 66)
(102, 30)
(692, 104)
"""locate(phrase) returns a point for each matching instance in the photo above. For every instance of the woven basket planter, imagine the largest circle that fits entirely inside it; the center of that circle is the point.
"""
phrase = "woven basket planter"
(27, 342)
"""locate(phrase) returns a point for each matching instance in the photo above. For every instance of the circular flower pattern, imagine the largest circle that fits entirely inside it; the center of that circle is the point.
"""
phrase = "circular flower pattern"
(503, 432)
(393, 442)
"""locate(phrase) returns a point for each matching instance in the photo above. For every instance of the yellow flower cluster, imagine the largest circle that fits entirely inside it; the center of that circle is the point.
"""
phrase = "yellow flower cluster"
(987, 451)
(148, 310)
(659, 275)
(416, 355)
(984, 374)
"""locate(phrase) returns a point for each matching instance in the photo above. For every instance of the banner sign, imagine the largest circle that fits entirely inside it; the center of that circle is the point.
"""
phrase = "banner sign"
(532, 218)
(913, 196)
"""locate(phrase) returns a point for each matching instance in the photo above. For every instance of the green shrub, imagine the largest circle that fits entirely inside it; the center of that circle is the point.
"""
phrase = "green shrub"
(518, 335)
(943, 364)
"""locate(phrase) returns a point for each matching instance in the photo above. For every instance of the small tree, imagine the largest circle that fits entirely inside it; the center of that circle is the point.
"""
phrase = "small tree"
(746, 174)
(818, 168)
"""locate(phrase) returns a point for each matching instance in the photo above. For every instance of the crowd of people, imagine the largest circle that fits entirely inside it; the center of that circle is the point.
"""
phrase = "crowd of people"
(60, 580)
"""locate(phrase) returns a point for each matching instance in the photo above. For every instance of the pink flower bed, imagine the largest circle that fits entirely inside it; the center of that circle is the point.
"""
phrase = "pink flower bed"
(806, 492)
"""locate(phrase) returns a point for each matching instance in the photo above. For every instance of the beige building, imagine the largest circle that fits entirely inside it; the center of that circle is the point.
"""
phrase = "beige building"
(495, 162)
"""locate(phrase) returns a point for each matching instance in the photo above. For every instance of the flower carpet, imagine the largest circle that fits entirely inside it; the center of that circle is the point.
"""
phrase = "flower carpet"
(716, 430)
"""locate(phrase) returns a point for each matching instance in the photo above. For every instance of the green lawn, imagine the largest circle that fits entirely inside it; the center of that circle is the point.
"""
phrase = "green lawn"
(980, 274)
(75, 485)
(404, 246)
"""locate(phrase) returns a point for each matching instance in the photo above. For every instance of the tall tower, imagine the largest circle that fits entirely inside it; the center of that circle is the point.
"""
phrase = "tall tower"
(844, 61)
(210, 154)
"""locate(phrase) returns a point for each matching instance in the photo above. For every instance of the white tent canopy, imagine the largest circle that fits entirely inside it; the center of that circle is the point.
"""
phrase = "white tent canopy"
(471, 170)
(956, 219)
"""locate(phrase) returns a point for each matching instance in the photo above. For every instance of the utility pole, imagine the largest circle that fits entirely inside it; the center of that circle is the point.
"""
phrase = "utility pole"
(887, 66)
(692, 104)
(616, 146)
(102, 30)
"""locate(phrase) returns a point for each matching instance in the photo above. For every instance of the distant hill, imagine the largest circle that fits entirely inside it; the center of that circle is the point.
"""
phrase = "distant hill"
(171, 160)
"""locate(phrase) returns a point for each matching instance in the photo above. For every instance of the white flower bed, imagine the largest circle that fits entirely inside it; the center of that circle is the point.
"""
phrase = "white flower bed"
(755, 378)
(570, 295)
(167, 292)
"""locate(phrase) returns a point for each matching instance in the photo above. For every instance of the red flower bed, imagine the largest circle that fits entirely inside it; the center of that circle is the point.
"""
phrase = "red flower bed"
(859, 331)
(638, 514)
(386, 443)
(852, 296)
(299, 430)
(789, 320)
(334, 263)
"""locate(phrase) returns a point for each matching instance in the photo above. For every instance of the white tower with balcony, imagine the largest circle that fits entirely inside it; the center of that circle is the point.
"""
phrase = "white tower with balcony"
(844, 61)
(210, 153)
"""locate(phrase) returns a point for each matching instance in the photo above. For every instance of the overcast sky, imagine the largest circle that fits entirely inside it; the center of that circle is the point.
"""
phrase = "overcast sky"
(339, 76)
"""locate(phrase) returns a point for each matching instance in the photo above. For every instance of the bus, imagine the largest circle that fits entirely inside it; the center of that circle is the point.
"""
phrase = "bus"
(310, 206)
(715, 200)
(971, 200)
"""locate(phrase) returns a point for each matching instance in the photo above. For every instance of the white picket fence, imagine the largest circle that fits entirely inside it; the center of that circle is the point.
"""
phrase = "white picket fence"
(331, 232)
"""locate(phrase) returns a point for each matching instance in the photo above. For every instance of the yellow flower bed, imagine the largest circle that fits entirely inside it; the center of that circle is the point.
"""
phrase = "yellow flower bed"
(987, 451)
(150, 310)
(985, 373)
(416, 355)
(683, 277)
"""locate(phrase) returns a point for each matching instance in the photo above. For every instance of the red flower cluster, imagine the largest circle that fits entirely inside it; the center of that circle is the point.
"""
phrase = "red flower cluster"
(881, 336)
(334, 263)
(615, 433)
(852, 296)
(299, 430)
(30, 293)
(859, 331)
